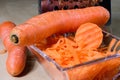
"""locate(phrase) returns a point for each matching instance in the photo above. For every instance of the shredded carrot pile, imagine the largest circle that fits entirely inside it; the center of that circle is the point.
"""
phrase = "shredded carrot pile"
(67, 52)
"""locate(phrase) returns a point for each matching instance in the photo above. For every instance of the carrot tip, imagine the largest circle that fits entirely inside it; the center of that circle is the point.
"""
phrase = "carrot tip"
(14, 39)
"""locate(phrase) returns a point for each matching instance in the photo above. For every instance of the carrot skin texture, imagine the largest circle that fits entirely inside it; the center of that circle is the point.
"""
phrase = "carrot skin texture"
(44, 25)
(16, 59)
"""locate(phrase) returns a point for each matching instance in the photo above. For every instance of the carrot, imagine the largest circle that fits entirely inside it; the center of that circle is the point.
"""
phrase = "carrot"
(89, 35)
(16, 59)
(46, 24)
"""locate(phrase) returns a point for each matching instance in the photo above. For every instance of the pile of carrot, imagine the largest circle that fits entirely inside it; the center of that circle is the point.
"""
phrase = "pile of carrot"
(46, 32)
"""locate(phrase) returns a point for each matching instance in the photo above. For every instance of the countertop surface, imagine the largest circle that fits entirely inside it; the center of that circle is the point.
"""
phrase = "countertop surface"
(19, 11)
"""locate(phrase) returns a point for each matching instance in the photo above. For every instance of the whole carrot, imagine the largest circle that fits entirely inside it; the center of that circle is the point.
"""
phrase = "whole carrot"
(16, 59)
(46, 24)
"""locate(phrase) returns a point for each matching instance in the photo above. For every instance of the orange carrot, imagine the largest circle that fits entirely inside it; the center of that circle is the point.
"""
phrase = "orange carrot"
(89, 36)
(16, 59)
(46, 24)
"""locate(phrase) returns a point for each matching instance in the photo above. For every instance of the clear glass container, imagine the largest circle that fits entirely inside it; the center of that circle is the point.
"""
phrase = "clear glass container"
(96, 69)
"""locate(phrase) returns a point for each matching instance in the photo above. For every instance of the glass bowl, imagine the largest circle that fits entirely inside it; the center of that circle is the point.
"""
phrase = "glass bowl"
(103, 68)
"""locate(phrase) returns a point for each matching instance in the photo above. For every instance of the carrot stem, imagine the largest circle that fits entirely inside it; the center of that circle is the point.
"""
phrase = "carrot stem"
(14, 39)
